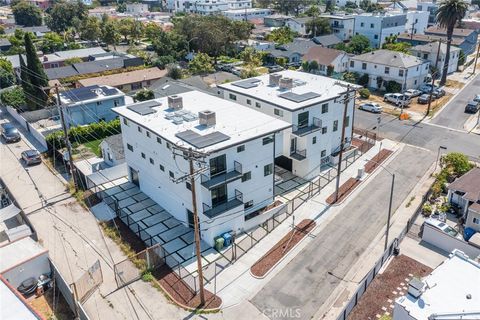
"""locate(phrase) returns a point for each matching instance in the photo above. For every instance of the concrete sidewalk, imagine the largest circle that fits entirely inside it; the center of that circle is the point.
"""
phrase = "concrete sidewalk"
(236, 284)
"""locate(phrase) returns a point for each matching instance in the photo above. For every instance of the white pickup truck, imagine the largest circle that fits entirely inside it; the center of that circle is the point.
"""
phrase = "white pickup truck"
(398, 99)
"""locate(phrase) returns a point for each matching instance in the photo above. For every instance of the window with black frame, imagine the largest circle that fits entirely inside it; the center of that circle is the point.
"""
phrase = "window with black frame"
(218, 165)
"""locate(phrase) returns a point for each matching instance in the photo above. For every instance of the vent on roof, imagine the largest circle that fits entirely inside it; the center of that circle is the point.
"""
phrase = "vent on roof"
(144, 108)
(207, 118)
(415, 288)
(247, 84)
(175, 102)
(286, 83)
(274, 79)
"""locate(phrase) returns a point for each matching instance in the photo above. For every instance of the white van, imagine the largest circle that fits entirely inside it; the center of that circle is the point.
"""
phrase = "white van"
(442, 226)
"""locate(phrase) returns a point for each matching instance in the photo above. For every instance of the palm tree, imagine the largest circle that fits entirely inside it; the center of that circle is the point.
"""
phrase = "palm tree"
(449, 13)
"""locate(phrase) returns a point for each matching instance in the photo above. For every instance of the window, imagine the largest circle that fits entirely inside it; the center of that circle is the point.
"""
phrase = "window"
(241, 148)
(375, 36)
(324, 130)
(415, 81)
(143, 155)
(268, 169)
(425, 56)
(162, 167)
(364, 66)
(258, 105)
(352, 64)
(362, 24)
(136, 86)
(152, 161)
(159, 140)
(148, 134)
(246, 176)
(302, 119)
(188, 186)
(347, 121)
(323, 153)
(335, 125)
(387, 70)
(325, 108)
(400, 73)
(170, 173)
(249, 102)
(267, 140)
(248, 204)
(314, 140)
(372, 26)
(476, 220)
(139, 129)
(168, 145)
(99, 103)
(115, 103)
(125, 121)
(129, 147)
(232, 97)
(278, 112)
(218, 165)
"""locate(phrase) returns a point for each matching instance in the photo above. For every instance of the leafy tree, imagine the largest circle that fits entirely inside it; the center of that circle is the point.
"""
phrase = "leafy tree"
(369, 6)
(64, 15)
(152, 31)
(364, 93)
(313, 66)
(318, 26)
(52, 42)
(329, 6)
(72, 60)
(121, 7)
(393, 86)
(288, 6)
(251, 57)
(358, 44)
(162, 61)
(330, 70)
(351, 77)
(169, 46)
(13, 97)
(36, 77)
(456, 163)
(403, 47)
(305, 65)
(281, 35)
(125, 27)
(144, 94)
(351, 5)
(448, 14)
(202, 63)
(90, 29)
(6, 74)
(175, 72)
(313, 11)
(27, 14)
(110, 34)
(363, 80)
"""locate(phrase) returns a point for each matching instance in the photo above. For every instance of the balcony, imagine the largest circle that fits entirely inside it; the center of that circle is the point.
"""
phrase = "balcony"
(315, 125)
(337, 26)
(299, 154)
(230, 204)
(223, 177)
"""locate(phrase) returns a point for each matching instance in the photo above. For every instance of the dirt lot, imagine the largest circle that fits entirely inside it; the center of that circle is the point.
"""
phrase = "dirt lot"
(388, 286)
(50, 309)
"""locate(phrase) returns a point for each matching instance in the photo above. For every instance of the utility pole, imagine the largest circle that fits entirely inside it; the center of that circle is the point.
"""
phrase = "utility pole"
(411, 31)
(389, 212)
(66, 139)
(434, 74)
(476, 58)
(346, 100)
(192, 155)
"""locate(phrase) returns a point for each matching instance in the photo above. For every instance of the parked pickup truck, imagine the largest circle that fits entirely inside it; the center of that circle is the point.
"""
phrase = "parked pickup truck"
(398, 99)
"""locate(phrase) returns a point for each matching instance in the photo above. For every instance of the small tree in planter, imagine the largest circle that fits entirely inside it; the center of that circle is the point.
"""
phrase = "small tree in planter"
(427, 209)
(330, 70)
(364, 93)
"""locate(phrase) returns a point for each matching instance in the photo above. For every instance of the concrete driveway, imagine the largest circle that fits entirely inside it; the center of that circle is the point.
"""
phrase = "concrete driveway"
(308, 280)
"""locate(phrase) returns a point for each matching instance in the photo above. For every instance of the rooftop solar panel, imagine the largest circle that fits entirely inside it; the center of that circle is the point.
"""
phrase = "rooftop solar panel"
(299, 97)
(247, 84)
(202, 141)
(144, 108)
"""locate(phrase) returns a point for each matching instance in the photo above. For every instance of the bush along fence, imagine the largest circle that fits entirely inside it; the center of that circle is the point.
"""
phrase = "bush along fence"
(82, 134)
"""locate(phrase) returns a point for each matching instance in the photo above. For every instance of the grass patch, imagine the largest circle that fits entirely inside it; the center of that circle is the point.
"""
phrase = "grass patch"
(94, 147)
(409, 203)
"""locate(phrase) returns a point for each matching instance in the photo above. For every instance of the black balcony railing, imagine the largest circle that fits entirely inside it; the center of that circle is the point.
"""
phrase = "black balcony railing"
(299, 154)
(315, 125)
(225, 206)
(222, 177)
(338, 26)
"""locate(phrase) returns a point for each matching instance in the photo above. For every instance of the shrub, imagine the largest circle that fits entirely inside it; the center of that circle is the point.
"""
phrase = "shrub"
(393, 86)
(330, 70)
(14, 97)
(427, 209)
(364, 93)
(363, 80)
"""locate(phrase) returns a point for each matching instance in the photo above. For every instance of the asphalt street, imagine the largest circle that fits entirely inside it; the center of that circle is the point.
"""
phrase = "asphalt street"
(308, 280)
(453, 115)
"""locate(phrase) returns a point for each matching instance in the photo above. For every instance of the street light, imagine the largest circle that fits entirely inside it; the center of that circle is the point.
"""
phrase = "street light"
(438, 155)
(390, 202)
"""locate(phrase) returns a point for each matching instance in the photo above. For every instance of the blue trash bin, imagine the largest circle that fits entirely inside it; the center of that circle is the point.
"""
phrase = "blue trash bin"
(228, 239)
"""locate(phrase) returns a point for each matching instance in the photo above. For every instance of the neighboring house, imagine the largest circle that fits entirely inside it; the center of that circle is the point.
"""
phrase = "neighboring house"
(293, 51)
(469, 37)
(465, 192)
(327, 41)
(451, 291)
(91, 104)
(420, 39)
(343, 26)
(5, 44)
(342, 3)
(136, 8)
(309, 102)
(378, 26)
(299, 25)
(126, 81)
(57, 59)
(247, 14)
(42, 4)
(14, 306)
(385, 65)
(417, 22)
(258, 45)
(207, 7)
(169, 87)
(275, 21)
(431, 8)
(429, 52)
(237, 181)
(327, 57)
(112, 150)
(38, 31)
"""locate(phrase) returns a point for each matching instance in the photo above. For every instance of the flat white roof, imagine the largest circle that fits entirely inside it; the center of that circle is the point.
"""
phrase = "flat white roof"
(447, 289)
(19, 251)
(12, 307)
(326, 88)
(239, 123)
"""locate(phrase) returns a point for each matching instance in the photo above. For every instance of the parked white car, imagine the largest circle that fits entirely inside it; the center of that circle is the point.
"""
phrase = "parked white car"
(442, 226)
(412, 93)
(397, 99)
(371, 107)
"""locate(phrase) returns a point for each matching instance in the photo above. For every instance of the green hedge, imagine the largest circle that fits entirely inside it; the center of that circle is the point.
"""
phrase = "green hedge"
(83, 134)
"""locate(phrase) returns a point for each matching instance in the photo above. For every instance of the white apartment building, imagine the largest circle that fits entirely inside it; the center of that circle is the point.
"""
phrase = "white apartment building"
(247, 14)
(377, 26)
(136, 8)
(431, 8)
(343, 26)
(385, 65)
(239, 144)
(314, 106)
(299, 25)
(451, 291)
(417, 22)
(430, 52)
(207, 7)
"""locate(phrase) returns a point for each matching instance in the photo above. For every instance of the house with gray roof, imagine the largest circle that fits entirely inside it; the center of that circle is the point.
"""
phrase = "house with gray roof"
(112, 150)
(299, 25)
(385, 65)
(327, 41)
(429, 51)
(465, 193)
(293, 51)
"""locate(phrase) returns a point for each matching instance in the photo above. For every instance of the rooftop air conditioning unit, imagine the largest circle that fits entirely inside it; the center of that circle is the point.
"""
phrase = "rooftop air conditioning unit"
(415, 287)
(274, 79)
(175, 102)
(207, 118)
(286, 83)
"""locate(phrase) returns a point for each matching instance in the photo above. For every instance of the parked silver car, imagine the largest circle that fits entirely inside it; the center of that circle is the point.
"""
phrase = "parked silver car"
(371, 107)
(31, 157)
